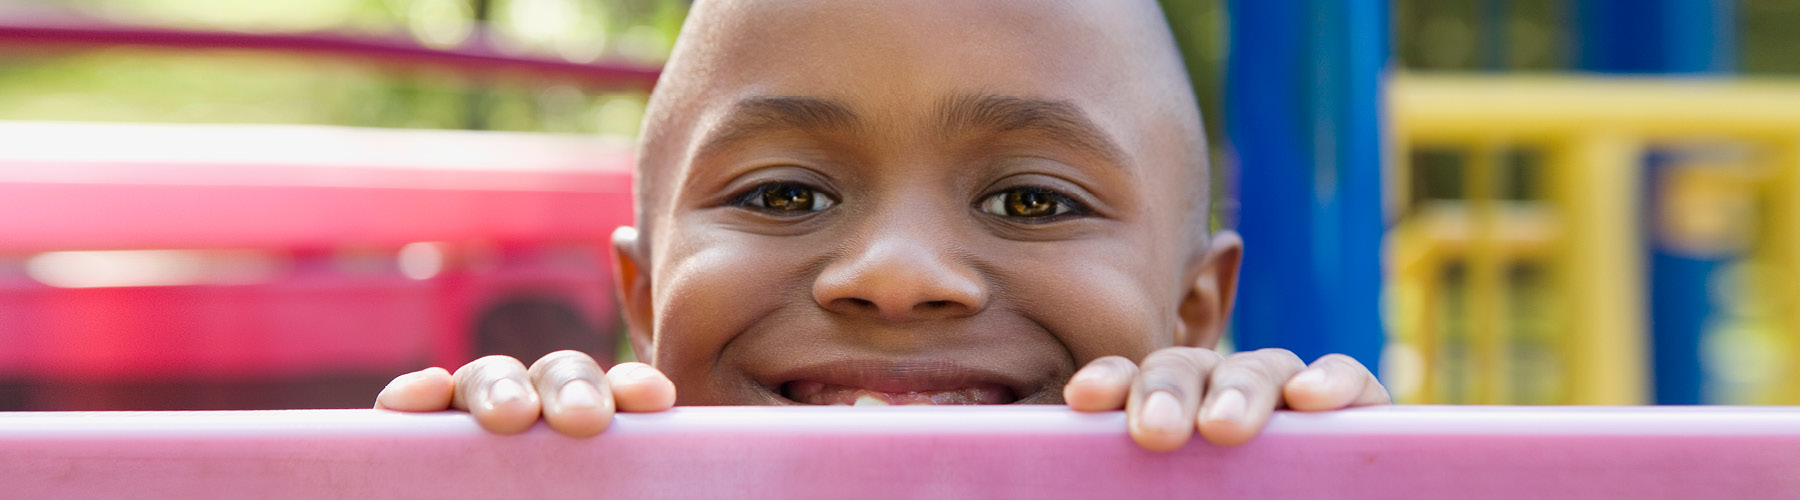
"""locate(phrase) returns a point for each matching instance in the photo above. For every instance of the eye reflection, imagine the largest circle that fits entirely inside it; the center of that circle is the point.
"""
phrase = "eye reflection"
(787, 198)
(1029, 204)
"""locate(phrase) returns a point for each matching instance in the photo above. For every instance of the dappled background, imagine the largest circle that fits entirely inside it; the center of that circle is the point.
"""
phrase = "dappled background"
(1546, 241)
(223, 86)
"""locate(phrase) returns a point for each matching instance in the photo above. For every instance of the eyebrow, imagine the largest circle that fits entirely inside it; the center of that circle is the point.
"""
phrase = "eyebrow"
(1060, 121)
(759, 115)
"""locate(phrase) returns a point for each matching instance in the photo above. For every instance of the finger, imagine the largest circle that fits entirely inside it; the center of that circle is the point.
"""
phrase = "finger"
(1102, 385)
(424, 390)
(575, 398)
(1165, 395)
(497, 390)
(640, 387)
(1335, 381)
(1243, 392)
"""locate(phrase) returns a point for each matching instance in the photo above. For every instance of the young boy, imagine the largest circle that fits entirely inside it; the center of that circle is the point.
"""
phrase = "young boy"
(919, 202)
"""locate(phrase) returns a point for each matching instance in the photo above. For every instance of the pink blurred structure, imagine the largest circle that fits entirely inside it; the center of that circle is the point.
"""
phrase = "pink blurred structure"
(908, 452)
(205, 253)
(300, 237)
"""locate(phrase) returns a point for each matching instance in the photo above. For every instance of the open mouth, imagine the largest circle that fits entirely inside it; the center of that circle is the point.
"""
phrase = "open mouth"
(820, 393)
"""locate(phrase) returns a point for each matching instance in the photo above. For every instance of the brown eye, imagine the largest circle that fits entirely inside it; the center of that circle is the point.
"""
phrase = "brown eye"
(786, 198)
(1032, 204)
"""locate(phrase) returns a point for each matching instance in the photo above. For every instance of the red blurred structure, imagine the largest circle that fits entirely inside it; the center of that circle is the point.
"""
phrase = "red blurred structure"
(139, 255)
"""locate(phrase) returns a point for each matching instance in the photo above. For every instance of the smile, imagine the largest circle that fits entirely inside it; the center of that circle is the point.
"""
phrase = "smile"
(893, 383)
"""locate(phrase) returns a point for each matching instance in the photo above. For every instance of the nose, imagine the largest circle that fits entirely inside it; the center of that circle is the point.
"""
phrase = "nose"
(901, 277)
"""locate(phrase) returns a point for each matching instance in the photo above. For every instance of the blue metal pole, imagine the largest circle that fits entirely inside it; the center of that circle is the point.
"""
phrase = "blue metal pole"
(1682, 306)
(1666, 37)
(1656, 36)
(1303, 112)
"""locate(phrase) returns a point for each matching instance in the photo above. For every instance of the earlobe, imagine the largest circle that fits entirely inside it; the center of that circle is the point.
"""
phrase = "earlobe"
(632, 280)
(1212, 287)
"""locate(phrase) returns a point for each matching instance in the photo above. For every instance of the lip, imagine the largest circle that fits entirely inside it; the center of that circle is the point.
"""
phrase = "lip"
(899, 377)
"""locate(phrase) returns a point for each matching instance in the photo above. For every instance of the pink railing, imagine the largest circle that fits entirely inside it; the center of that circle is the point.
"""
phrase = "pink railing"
(96, 186)
(475, 57)
(907, 452)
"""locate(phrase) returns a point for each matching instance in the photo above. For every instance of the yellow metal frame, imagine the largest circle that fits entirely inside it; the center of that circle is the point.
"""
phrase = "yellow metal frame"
(1595, 131)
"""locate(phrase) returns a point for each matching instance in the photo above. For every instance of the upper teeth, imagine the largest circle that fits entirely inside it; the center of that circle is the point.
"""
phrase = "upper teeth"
(870, 400)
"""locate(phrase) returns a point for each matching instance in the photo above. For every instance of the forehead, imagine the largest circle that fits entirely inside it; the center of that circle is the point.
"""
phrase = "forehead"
(896, 62)
(855, 47)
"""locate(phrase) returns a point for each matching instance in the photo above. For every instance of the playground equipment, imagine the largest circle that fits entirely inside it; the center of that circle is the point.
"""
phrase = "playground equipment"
(1306, 84)
(907, 452)
(238, 253)
(1303, 111)
(182, 254)
(1309, 139)
(1722, 161)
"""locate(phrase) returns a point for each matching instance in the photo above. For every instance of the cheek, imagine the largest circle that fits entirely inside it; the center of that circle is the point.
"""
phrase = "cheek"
(1096, 297)
(703, 299)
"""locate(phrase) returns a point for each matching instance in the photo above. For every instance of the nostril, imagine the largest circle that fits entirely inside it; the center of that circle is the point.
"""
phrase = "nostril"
(938, 307)
(853, 305)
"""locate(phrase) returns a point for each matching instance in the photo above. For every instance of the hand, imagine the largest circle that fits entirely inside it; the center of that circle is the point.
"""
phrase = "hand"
(1227, 398)
(574, 395)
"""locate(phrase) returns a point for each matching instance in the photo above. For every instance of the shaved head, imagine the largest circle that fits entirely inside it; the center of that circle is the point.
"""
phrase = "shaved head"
(1118, 56)
(966, 198)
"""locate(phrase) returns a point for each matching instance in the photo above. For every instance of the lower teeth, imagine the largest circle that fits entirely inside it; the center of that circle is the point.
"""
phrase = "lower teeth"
(817, 393)
(869, 400)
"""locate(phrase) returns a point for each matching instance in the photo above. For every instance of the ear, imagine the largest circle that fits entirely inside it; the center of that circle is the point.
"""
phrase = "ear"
(1212, 286)
(633, 282)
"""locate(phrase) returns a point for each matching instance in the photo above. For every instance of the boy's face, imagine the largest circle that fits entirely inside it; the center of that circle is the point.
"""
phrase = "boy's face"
(919, 202)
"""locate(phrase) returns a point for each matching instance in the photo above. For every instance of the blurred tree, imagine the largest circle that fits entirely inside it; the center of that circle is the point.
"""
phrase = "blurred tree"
(1768, 37)
(226, 86)
(1535, 35)
(1505, 35)
(1495, 35)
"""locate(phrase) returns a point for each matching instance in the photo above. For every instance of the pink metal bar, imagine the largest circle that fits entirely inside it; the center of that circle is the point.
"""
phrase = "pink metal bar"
(102, 186)
(121, 216)
(474, 57)
(514, 215)
(907, 452)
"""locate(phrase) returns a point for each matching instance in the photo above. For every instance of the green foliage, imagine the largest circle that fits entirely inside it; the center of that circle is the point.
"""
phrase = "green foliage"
(225, 86)
(1534, 35)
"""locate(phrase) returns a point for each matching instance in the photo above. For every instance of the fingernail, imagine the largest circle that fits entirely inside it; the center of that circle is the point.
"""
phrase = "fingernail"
(639, 373)
(579, 394)
(1229, 406)
(1162, 413)
(1310, 378)
(505, 391)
